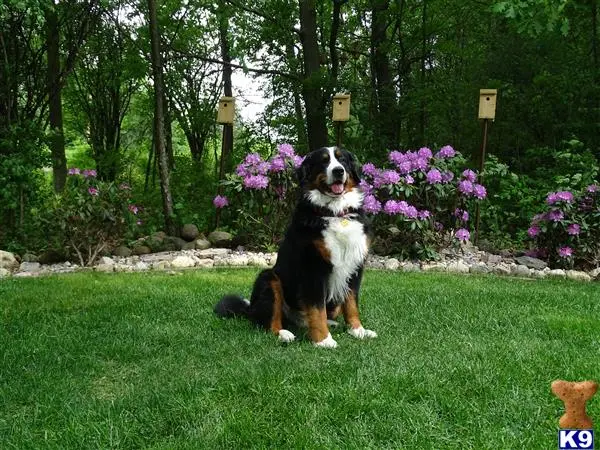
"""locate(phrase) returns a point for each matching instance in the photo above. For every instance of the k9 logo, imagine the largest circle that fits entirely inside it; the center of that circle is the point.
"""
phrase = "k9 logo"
(576, 439)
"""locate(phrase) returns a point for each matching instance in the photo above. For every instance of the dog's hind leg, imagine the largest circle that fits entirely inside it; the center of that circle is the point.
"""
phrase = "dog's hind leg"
(277, 317)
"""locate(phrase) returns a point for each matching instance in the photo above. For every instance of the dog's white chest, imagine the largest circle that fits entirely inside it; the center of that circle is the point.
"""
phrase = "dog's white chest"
(347, 243)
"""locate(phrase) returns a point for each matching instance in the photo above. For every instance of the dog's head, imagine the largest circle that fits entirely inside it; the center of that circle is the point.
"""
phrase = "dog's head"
(332, 171)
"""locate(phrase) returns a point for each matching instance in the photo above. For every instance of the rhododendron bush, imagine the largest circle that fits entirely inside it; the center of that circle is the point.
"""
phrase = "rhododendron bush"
(419, 202)
(567, 232)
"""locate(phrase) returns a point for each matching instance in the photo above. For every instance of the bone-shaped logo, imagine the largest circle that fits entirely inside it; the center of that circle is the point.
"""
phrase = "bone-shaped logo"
(574, 396)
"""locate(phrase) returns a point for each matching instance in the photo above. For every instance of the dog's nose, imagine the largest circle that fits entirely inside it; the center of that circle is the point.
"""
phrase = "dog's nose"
(338, 172)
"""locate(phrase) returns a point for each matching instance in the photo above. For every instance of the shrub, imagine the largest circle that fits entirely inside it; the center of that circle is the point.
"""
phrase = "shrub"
(90, 215)
(567, 232)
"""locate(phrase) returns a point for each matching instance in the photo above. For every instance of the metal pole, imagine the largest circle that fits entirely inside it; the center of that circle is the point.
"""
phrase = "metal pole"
(339, 129)
(224, 146)
(481, 166)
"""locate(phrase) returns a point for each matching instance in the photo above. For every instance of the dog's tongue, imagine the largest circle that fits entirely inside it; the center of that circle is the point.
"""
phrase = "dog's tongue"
(337, 188)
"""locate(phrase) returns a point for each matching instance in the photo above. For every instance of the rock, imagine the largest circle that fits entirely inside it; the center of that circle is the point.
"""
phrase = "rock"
(410, 267)
(457, 267)
(122, 251)
(578, 275)
(532, 263)
(155, 257)
(479, 268)
(141, 250)
(557, 273)
(161, 265)
(52, 256)
(123, 268)
(212, 252)
(158, 236)
(8, 261)
(520, 270)
(106, 260)
(202, 244)
(238, 260)
(204, 263)
(272, 259)
(189, 246)
(31, 267)
(173, 243)
(4, 273)
(259, 261)
(105, 268)
(220, 239)
(501, 269)
(494, 259)
(539, 274)
(141, 266)
(375, 264)
(181, 262)
(30, 257)
(595, 273)
(189, 232)
(392, 264)
(433, 267)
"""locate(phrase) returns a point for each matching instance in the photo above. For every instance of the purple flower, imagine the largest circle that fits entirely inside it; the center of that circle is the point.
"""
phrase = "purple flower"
(253, 159)
(280, 191)
(298, 160)
(220, 201)
(425, 152)
(371, 204)
(389, 177)
(396, 157)
(74, 171)
(256, 182)
(365, 187)
(411, 212)
(565, 252)
(277, 164)
(446, 152)
(392, 207)
(93, 191)
(574, 229)
(262, 168)
(465, 186)
(424, 214)
(447, 177)
(286, 150)
(434, 176)
(437, 226)
(369, 169)
(592, 188)
(242, 170)
(133, 209)
(409, 179)
(533, 231)
(469, 175)
(556, 215)
(462, 235)
(89, 173)
(461, 214)
(538, 218)
(420, 164)
(479, 191)
(405, 167)
(564, 196)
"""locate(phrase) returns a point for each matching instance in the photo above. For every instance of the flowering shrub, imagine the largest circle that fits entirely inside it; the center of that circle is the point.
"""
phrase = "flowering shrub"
(421, 203)
(423, 198)
(92, 215)
(567, 232)
(263, 193)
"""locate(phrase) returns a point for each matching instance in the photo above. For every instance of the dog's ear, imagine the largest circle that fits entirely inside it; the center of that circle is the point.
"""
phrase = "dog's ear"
(302, 174)
(354, 167)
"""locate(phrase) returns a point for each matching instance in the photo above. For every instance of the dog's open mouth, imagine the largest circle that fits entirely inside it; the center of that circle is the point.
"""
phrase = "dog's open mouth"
(337, 188)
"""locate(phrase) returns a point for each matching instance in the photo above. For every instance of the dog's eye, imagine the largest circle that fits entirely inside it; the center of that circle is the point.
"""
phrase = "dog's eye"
(338, 154)
(325, 156)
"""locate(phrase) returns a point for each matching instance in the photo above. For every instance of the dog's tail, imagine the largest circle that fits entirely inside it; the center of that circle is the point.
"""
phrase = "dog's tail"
(232, 305)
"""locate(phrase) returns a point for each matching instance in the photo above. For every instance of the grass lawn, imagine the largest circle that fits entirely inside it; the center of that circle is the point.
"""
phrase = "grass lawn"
(139, 360)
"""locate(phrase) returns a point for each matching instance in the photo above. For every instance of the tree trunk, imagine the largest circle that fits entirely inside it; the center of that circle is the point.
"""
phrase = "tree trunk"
(300, 128)
(423, 106)
(54, 88)
(163, 163)
(385, 105)
(312, 89)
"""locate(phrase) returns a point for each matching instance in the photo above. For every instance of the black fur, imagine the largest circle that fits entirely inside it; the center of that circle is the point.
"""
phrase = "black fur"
(301, 268)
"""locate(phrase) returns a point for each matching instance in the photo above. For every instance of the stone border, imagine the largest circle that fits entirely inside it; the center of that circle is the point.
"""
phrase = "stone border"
(452, 261)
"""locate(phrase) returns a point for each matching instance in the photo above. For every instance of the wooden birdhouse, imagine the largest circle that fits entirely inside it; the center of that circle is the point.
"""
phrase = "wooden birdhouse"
(487, 103)
(226, 110)
(341, 107)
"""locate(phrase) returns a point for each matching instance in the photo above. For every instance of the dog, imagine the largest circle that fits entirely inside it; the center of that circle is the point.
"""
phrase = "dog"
(320, 261)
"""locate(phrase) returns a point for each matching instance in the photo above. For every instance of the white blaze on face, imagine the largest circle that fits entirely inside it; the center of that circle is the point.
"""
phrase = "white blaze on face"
(337, 188)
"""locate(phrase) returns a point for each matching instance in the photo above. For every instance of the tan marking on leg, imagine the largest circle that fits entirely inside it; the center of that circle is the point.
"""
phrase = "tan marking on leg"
(350, 309)
(334, 313)
(317, 323)
(276, 318)
(322, 249)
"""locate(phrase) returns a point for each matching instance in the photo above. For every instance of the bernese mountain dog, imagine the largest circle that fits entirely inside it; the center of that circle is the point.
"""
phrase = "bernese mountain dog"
(320, 261)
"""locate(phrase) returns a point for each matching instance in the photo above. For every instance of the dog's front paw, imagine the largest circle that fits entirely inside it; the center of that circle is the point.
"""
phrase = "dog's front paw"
(328, 342)
(286, 336)
(361, 333)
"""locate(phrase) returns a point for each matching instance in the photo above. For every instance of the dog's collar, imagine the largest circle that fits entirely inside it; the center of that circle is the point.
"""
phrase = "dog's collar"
(326, 212)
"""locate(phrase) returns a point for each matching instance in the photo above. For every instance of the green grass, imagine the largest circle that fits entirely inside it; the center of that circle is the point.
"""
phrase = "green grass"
(139, 360)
